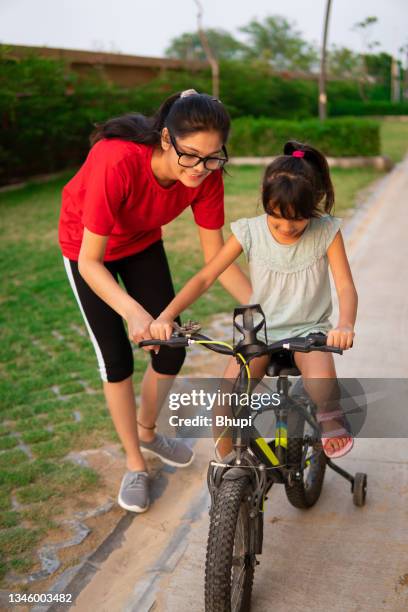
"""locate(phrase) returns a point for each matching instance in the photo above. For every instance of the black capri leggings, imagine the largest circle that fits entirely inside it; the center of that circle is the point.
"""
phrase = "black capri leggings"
(146, 277)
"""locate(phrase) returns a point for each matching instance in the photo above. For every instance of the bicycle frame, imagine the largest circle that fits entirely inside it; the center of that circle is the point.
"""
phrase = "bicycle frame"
(265, 466)
(257, 443)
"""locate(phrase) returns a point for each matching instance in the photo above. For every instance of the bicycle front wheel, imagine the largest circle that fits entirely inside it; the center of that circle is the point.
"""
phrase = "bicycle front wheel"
(229, 570)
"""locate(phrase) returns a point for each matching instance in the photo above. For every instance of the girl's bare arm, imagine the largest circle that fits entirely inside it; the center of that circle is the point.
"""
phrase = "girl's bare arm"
(162, 327)
(233, 279)
(342, 335)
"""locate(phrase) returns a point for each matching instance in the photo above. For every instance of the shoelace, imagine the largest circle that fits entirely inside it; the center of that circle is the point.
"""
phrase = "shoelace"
(165, 443)
(135, 482)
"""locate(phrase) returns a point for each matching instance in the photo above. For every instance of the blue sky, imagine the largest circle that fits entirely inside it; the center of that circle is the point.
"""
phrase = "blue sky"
(145, 27)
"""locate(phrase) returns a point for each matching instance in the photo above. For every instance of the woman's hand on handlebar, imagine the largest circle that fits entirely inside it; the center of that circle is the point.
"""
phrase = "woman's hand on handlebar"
(138, 324)
(341, 336)
(161, 328)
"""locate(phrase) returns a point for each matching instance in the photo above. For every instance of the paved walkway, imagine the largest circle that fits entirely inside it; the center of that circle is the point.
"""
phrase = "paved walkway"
(334, 556)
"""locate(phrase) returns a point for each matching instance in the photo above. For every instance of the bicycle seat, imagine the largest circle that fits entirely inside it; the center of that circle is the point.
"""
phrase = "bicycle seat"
(281, 364)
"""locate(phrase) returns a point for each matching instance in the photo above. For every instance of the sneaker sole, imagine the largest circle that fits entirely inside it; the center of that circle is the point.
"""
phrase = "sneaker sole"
(131, 508)
(168, 461)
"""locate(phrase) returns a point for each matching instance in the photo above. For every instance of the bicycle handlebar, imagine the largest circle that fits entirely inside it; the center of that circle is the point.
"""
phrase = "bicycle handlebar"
(174, 342)
(181, 341)
(312, 342)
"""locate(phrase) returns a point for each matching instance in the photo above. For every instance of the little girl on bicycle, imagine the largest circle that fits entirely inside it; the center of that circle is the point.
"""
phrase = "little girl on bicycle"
(289, 250)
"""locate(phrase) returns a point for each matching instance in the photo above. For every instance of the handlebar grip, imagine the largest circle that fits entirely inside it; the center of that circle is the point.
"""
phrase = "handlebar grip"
(328, 349)
(318, 339)
(321, 339)
(172, 343)
(313, 342)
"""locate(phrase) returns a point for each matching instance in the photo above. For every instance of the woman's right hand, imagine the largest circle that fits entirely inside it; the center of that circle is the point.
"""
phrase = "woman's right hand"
(138, 324)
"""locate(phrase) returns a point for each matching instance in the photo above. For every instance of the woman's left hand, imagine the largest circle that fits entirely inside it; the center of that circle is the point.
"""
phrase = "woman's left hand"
(341, 337)
(162, 328)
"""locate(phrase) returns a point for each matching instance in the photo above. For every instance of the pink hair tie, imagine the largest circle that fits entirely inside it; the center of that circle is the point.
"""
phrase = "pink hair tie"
(298, 153)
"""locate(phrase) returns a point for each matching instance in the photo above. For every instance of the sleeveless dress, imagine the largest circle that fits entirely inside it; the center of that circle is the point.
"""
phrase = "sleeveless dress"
(290, 281)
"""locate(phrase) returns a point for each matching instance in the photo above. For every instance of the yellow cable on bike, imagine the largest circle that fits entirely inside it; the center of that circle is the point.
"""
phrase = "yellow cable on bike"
(220, 342)
(228, 346)
(259, 441)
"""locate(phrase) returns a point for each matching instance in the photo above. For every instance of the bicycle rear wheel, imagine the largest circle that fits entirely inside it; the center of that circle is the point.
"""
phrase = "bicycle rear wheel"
(304, 492)
(229, 569)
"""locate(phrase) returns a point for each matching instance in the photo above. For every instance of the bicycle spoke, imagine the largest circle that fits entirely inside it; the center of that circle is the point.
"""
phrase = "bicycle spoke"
(238, 561)
(237, 588)
(240, 533)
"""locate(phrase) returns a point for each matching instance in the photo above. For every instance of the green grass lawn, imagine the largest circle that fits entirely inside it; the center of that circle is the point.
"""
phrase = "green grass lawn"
(394, 139)
(50, 393)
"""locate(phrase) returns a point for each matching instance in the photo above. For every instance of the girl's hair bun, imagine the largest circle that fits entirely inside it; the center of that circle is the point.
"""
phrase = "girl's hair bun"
(298, 182)
(292, 146)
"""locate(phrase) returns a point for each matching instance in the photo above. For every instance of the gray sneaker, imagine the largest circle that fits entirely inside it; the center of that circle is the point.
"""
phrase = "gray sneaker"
(134, 492)
(169, 450)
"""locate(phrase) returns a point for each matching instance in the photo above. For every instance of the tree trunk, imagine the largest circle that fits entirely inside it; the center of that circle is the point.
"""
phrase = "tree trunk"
(322, 77)
(395, 81)
(215, 69)
(405, 82)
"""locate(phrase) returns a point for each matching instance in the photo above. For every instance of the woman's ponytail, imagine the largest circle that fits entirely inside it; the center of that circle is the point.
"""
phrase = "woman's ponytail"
(182, 113)
(135, 126)
(159, 118)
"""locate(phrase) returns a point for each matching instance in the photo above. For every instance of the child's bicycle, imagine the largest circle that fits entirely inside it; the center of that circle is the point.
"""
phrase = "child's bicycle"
(238, 485)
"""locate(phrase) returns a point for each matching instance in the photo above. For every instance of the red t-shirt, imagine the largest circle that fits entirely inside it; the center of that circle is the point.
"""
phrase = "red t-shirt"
(115, 194)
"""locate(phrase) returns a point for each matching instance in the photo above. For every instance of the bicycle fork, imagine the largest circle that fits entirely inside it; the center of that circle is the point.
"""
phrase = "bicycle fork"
(218, 471)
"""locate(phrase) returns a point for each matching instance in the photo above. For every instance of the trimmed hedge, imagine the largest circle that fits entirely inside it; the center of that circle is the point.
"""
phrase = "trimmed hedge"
(47, 112)
(374, 108)
(334, 137)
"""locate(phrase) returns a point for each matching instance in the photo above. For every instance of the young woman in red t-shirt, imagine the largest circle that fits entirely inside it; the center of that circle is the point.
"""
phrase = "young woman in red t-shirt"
(139, 175)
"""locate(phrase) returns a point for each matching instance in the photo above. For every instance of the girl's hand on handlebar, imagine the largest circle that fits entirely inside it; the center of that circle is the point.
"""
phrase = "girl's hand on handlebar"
(161, 328)
(341, 337)
(138, 324)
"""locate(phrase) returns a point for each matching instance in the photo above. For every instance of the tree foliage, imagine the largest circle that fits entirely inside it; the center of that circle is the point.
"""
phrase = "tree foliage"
(343, 62)
(276, 40)
(188, 46)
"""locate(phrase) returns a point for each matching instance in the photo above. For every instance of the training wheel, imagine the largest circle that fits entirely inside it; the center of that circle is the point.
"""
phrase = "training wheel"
(359, 489)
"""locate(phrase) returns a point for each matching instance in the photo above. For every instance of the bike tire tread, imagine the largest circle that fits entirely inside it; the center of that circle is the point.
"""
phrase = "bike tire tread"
(223, 521)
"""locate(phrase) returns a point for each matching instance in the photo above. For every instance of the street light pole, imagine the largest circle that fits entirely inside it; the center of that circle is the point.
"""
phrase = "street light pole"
(322, 76)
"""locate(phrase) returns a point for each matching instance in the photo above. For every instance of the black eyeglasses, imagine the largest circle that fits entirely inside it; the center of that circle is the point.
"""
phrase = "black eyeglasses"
(188, 160)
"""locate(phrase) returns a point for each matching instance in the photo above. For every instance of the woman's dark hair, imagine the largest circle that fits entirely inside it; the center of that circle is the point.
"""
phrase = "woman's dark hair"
(298, 183)
(181, 114)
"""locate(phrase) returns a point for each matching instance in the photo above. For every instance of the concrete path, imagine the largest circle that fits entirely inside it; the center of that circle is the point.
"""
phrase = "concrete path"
(334, 556)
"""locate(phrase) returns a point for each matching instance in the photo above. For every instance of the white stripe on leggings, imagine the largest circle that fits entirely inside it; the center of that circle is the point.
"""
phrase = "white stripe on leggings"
(99, 356)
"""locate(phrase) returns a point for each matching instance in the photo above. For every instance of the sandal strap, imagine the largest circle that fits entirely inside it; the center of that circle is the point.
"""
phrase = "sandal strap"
(329, 416)
(336, 433)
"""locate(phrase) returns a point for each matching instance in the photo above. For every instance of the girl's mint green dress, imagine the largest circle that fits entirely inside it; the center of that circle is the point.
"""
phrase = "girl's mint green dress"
(290, 281)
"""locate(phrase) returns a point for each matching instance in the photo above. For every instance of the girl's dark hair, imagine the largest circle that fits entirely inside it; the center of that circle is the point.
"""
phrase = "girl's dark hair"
(182, 115)
(299, 185)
